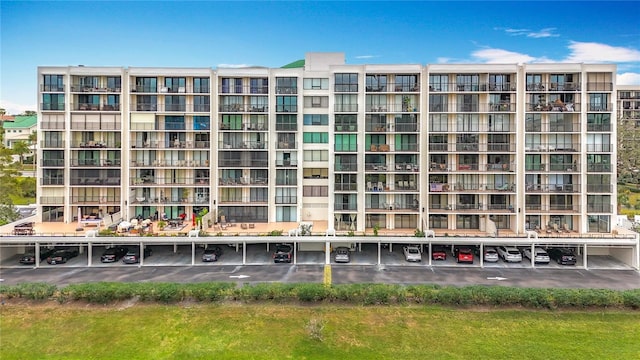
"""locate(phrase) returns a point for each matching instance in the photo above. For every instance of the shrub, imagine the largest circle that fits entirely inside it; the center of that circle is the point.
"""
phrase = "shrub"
(209, 291)
(311, 292)
(31, 291)
(631, 298)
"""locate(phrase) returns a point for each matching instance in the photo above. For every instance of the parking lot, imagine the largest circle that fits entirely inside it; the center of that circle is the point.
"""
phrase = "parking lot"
(262, 254)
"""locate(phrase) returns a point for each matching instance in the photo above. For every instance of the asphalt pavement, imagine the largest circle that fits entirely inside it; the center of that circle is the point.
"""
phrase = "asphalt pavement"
(568, 277)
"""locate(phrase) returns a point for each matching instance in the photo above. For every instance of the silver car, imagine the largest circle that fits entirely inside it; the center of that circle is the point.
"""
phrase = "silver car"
(412, 253)
(342, 255)
(540, 255)
(490, 254)
(510, 253)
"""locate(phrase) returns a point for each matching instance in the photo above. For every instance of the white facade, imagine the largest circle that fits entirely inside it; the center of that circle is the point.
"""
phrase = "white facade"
(404, 146)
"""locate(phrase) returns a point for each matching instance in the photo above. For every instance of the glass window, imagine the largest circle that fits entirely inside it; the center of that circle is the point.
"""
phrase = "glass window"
(316, 101)
(286, 103)
(53, 83)
(315, 137)
(146, 84)
(200, 85)
(438, 82)
(316, 119)
(346, 103)
(286, 85)
(346, 82)
(316, 155)
(316, 84)
(346, 142)
(376, 83)
(175, 84)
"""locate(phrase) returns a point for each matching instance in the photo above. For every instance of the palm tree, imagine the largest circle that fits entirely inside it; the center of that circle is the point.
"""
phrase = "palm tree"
(20, 148)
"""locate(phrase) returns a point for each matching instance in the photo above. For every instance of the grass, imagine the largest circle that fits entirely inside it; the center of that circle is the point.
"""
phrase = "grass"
(267, 331)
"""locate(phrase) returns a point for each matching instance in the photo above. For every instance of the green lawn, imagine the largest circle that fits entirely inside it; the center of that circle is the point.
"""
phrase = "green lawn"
(203, 331)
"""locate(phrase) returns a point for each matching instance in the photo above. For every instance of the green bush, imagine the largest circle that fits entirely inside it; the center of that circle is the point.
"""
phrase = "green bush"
(312, 292)
(631, 298)
(31, 291)
(209, 291)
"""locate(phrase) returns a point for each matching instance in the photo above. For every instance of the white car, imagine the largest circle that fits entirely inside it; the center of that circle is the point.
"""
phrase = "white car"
(342, 255)
(540, 255)
(412, 253)
(491, 254)
(510, 253)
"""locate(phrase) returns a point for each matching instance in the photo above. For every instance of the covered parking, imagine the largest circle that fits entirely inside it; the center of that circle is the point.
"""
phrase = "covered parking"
(622, 249)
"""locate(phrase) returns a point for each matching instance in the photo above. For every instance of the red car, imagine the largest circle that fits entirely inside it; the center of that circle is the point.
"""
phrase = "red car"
(438, 253)
(464, 255)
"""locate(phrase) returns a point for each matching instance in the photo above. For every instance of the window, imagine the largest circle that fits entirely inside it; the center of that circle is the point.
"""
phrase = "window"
(316, 155)
(346, 103)
(599, 122)
(533, 122)
(344, 162)
(316, 101)
(346, 142)
(316, 84)
(467, 123)
(599, 102)
(53, 83)
(467, 82)
(315, 137)
(599, 223)
(534, 82)
(286, 85)
(201, 123)
(346, 122)
(406, 83)
(346, 82)
(175, 103)
(316, 119)
(114, 83)
(376, 83)
(200, 85)
(232, 122)
(259, 85)
(146, 84)
(315, 191)
(201, 103)
(286, 177)
(315, 173)
(438, 122)
(499, 122)
(467, 102)
(286, 195)
(174, 123)
(599, 142)
(175, 84)
(376, 103)
(286, 122)
(52, 101)
(438, 82)
(438, 103)
(286, 103)
(499, 82)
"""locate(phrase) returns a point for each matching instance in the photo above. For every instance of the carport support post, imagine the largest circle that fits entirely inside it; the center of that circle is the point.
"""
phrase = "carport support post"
(327, 252)
(295, 253)
(584, 256)
(533, 255)
(141, 254)
(378, 252)
(430, 252)
(481, 255)
(175, 248)
(37, 256)
(193, 253)
(89, 252)
(244, 252)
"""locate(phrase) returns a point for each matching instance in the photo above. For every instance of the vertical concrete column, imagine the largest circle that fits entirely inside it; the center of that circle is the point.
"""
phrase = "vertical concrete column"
(37, 256)
(89, 253)
(175, 248)
(533, 255)
(244, 252)
(430, 252)
(327, 252)
(141, 254)
(379, 252)
(481, 255)
(193, 253)
(584, 256)
(295, 253)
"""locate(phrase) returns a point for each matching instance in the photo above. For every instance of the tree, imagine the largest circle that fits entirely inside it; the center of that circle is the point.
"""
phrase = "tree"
(20, 148)
(628, 166)
(29, 113)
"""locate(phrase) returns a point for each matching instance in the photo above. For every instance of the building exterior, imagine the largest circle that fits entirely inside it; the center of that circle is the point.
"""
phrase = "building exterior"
(483, 147)
(18, 129)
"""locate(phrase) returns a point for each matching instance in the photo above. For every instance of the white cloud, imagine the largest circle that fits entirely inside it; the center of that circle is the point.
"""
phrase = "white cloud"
(12, 108)
(500, 56)
(628, 79)
(590, 52)
(234, 66)
(542, 33)
(367, 56)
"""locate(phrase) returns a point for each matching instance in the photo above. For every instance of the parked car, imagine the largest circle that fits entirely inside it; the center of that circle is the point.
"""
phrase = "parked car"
(540, 255)
(463, 254)
(29, 257)
(491, 254)
(283, 253)
(61, 256)
(562, 256)
(342, 254)
(211, 254)
(509, 253)
(412, 253)
(133, 256)
(438, 252)
(113, 254)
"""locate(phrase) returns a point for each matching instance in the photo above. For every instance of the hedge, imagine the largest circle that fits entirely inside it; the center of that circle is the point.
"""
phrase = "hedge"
(356, 294)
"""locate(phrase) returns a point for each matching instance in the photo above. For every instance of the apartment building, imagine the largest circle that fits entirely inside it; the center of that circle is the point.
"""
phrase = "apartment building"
(483, 147)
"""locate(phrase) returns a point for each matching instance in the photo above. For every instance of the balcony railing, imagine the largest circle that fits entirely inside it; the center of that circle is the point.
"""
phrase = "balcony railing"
(553, 207)
(600, 107)
(346, 107)
(95, 181)
(92, 89)
(51, 200)
(544, 147)
(484, 87)
(599, 86)
(52, 144)
(346, 167)
(399, 107)
(243, 163)
(286, 163)
(243, 145)
(599, 208)
(599, 147)
(601, 188)
(52, 180)
(552, 188)
(598, 127)
(52, 107)
(95, 200)
(52, 162)
(553, 107)
(345, 187)
(346, 127)
(242, 181)
(95, 162)
(287, 145)
(599, 167)
(180, 180)
(170, 163)
(286, 199)
(52, 88)
(553, 87)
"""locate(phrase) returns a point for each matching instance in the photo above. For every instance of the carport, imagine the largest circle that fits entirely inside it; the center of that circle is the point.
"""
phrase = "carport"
(624, 249)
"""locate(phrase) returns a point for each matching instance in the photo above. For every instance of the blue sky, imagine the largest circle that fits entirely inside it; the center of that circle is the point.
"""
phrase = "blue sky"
(274, 33)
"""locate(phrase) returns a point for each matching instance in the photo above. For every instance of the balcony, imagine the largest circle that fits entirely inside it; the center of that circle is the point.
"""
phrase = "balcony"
(252, 145)
(52, 144)
(286, 199)
(95, 200)
(52, 162)
(286, 90)
(599, 188)
(96, 181)
(242, 181)
(553, 107)
(51, 107)
(376, 108)
(346, 167)
(95, 162)
(52, 200)
(93, 89)
(95, 107)
(599, 148)
(379, 148)
(286, 145)
(599, 167)
(600, 107)
(552, 188)
(346, 107)
(554, 87)
(345, 187)
(242, 163)
(599, 208)
(147, 180)
(599, 86)
(52, 180)
(346, 128)
(546, 147)
(145, 107)
(52, 88)
(500, 167)
(286, 163)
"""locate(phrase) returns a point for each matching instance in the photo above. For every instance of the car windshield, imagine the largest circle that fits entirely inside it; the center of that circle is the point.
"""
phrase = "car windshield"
(413, 251)
(283, 248)
(513, 252)
(342, 251)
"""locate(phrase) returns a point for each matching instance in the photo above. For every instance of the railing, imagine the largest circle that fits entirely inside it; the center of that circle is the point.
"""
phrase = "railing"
(485, 86)
(52, 125)
(52, 107)
(482, 187)
(552, 188)
(244, 108)
(181, 180)
(243, 145)
(170, 163)
(346, 107)
(95, 199)
(241, 181)
(553, 87)
(345, 206)
(51, 200)
(599, 147)
(540, 126)
(286, 127)
(244, 200)
(565, 167)
(286, 199)
(601, 208)
(602, 188)
(166, 200)
(52, 88)
(405, 147)
(436, 167)
(399, 107)
(52, 162)
(145, 107)
(280, 90)
(242, 163)
(553, 107)
(346, 167)
(94, 89)
(52, 144)
(500, 167)
(345, 187)
(552, 207)
(95, 181)
(96, 144)
(95, 125)
(286, 108)
(598, 127)
(346, 127)
(600, 107)
(544, 147)
(599, 167)
(52, 181)
(286, 145)
(599, 86)
(95, 162)
(286, 163)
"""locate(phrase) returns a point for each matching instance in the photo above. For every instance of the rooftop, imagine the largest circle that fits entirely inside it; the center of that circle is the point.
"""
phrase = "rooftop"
(21, 122)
